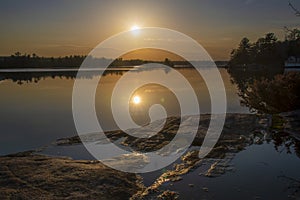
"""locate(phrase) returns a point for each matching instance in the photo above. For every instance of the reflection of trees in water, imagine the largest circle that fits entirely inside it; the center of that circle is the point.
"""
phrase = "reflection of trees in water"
(34, 77)
(283, 141)
(270, 91)
(275, 94)
(243, 77)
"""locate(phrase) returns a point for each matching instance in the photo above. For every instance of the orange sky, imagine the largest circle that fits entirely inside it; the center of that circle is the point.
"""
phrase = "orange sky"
(62, 27)
(151, 54)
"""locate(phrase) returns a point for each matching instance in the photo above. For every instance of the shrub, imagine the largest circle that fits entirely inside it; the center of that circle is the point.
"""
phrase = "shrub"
(280, 94)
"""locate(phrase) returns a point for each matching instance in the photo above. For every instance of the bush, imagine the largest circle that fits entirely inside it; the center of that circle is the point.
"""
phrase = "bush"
(280, 94)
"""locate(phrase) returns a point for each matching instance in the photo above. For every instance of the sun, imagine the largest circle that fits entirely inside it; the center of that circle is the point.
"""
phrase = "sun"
(136, 100)
(134, 27)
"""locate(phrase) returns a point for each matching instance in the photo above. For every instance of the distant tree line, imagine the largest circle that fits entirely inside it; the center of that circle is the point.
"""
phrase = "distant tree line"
(19, 60)
(120, 62)
(266, 51)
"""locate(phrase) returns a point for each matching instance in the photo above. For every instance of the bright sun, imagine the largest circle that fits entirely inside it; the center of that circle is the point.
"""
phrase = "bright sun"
(136, 99)
(134, 27)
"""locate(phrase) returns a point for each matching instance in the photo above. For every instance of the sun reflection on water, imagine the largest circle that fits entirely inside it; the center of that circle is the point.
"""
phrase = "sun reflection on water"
(136, 99)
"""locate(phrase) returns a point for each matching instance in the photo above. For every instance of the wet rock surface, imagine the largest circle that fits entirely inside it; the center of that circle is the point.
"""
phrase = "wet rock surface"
(30, 176)
(237, 126)
(24, 175)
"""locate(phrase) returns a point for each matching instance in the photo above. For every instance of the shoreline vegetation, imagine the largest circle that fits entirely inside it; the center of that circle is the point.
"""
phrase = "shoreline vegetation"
(258, 71)
(32, 61)
(267, 52)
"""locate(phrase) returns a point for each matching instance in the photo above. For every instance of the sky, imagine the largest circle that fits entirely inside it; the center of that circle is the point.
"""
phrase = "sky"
(68, 27)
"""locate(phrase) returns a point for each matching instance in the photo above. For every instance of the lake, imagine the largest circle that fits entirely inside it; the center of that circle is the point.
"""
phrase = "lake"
(36, 107)
(36, 110)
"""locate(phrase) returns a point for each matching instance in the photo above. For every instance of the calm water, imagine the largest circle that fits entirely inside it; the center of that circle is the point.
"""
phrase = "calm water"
(259, 172)
(36, 110)
(36, 107)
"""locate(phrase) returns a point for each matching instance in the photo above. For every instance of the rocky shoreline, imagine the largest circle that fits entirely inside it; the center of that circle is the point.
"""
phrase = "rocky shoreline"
(30, 175)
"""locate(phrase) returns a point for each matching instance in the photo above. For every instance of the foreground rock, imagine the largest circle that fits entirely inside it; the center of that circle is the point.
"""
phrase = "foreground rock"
(30, 176)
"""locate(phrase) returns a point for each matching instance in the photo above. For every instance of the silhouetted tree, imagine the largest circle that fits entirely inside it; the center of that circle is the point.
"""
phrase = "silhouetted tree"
(168, 62)
(267, 51)
(297, 12)
(241, 55)
(18, 54)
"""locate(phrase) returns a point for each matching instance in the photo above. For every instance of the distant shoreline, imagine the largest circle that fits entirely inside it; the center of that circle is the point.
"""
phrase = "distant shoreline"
(74, 62)
(24, 70)
(75, 69)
